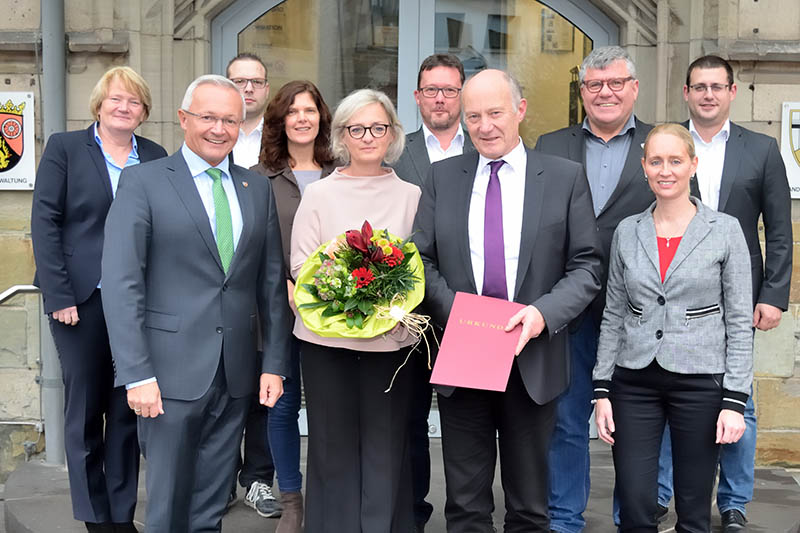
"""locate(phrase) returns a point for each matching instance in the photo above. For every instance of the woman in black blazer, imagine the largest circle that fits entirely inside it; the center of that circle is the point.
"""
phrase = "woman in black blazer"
(295, 151)
(675, 341)
(75, 185)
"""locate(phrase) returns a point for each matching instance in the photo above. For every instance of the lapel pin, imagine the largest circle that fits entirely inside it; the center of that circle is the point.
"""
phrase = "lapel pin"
(244, 184)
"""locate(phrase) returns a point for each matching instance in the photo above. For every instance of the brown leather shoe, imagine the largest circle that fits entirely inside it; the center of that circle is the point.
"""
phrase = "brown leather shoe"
(292, 518)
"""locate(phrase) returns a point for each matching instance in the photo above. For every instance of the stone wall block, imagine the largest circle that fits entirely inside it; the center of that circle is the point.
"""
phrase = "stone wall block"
(774, 349)
(18, 265)
(794, 291)
(779, 448)
(15, 214)
(767, 99)
(14, 347)
(742, 105)
(22, 15)
(19, 394)
(774, 19)
(12, 450)
(779, 403)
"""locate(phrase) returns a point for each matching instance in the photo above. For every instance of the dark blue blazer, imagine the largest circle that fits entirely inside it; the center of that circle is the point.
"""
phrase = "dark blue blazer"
(70, 203)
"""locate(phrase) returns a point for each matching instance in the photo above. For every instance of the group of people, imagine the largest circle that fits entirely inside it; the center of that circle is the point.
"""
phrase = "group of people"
(169, 281)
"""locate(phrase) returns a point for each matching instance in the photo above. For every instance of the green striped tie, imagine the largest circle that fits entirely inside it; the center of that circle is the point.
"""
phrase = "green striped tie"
(223, 215)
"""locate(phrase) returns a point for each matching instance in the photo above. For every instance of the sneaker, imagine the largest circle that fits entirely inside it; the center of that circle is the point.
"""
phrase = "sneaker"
(260, 498)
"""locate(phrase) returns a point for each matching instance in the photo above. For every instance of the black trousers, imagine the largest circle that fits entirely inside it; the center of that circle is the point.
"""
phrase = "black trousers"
(257, 463)
(642, 401)
(474, 423)
(99, 427)
(358, 477)
(191, 452)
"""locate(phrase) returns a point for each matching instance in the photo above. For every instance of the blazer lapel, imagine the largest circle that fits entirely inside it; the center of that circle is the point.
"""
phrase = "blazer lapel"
(730, 169)
(696, 231)
(461, 198)
(531, 215)
(96, 154)
(180, 178)
(248, 217)
(646, 233)
(633, 165)
(419, 154)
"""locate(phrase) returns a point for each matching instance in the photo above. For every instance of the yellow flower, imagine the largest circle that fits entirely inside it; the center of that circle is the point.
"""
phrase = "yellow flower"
(387, 250)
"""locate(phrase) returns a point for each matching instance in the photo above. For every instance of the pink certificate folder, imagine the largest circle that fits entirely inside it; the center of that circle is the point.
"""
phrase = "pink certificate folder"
(476, 351)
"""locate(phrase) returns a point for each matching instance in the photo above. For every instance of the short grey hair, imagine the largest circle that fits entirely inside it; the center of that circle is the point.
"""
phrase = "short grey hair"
(513, 85)
(210, 79)
(602, 57)
(352, 104)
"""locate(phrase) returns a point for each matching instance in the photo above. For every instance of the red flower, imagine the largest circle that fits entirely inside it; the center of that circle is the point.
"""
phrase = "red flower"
(396, 258)
(363, 277)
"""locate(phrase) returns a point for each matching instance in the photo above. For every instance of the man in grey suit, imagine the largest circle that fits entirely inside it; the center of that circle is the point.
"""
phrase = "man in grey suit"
(192, 258)
(741, 173)
(609, 144)
(441, 136)
(510, 223)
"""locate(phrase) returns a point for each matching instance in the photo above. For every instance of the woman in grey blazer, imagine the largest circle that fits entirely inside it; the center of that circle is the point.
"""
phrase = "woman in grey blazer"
(675, 342)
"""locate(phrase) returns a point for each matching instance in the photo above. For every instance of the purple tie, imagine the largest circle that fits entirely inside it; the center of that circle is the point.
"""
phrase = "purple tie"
(494, 258)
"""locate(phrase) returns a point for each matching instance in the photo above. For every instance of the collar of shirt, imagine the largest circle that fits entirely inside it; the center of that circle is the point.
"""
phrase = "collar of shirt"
(516, 159)
(432, 142)
(629, 125)
(134, 152)
(255, 133)
(721, 136)
(197, 165)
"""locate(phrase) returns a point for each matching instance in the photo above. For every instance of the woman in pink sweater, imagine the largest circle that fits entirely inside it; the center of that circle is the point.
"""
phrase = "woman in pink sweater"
(358, 476)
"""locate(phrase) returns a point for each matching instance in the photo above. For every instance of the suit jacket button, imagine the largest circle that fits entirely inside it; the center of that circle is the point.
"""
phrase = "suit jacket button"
(661, 300)
(219, 330)
(659, 334)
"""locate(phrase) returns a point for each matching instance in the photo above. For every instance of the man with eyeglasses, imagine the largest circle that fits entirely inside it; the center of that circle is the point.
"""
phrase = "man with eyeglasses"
(438, 96)
(609, 144)
(192, 261)
(741, 173)
(256, 470)
(249, 73)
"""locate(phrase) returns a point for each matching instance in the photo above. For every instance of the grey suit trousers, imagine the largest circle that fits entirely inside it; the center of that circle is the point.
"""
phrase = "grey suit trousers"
(176, 464)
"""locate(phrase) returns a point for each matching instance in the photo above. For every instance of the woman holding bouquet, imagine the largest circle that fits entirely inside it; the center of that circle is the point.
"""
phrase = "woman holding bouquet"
(358, 476)
(295, 151)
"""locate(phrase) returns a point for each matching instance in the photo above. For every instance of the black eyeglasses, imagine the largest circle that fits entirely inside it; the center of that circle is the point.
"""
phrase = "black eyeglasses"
(211, 120)
(258, 83)
(376, 130)
(431, 92)
(615, 84)
(701, 88)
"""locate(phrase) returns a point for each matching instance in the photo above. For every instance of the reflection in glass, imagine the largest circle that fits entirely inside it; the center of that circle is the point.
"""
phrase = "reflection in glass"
(340, 45)
(534, 43)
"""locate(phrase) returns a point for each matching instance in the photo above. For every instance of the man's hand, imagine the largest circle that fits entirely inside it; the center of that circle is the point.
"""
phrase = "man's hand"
(270, 390)
(532, 325)
(290, 288)
(730, 426)
(604, 418)
(766, 317)
(68, 316)
(145, 400)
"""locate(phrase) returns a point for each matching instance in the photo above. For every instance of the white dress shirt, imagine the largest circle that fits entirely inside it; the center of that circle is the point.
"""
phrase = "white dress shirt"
(435, 150)
(197, 168)
(247, 148)
(710, 160)
(512, 192)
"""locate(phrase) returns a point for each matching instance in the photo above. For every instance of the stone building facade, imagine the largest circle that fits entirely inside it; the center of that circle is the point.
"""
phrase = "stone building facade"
(170, 42)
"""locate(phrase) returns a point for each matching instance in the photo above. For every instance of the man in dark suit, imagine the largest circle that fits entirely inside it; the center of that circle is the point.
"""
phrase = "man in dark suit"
(75, 185)
(609, 144)
(193, 257)
(438, 92)
(511, 223)
(741, 173)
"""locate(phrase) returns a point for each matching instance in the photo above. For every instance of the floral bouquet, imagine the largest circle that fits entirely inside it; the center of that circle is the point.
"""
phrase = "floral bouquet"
(361, 285)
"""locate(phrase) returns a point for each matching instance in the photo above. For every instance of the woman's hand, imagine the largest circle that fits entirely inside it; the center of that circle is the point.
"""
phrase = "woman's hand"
(730, 426)
(604, 418)
(290, 290)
